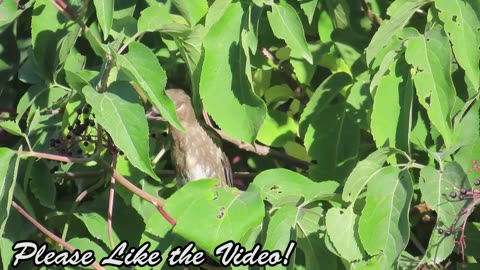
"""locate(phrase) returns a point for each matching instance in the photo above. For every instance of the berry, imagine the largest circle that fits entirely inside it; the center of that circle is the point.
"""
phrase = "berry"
(86, 122)
(89, 138)
(463, 191)
(448, 232)
(57, 141)
(461, 197)
(453, 195)
(153, 135)
(70, 128)
(79, 111)
(86, 110)
(85, 143)
(121, 153)
(79, 151)
(92, 124)
(69, 137)
(440, 231)
(77, 121)
(476, 182)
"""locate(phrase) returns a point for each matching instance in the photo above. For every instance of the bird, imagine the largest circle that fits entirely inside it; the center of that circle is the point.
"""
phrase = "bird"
(196, 152)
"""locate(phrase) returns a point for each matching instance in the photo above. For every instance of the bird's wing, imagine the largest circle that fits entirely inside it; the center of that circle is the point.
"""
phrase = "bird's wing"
(228, 170)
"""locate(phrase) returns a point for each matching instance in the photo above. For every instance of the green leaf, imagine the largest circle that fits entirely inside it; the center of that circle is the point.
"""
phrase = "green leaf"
(322, 97)
(190, 47)
(465, 157)
(309, 7)
(286, 25)
(17, 228)
(462, 24)
(79, 79)
(310, 231)
(11, 127)
(193, 11)
(8, 176)
(120, 113)
(364, 172)
(157, 18)
(9, 11)
(277, 129)
(219, 215)
(84, 244)
(224, 86)
(281, 230)
(390, 53)
(339, 11)
(280, 185)
(432, 78)
(436, 187)
(391, 116)
(104, 10)
(142, 66)
(42, 185)
(468, 128)
(332, 139)
(400, 13)
(126, 223)
(384, 226)
(345, 237)
(51, 32)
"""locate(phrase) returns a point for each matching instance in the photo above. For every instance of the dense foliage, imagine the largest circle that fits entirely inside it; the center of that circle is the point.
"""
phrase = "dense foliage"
(364, 116)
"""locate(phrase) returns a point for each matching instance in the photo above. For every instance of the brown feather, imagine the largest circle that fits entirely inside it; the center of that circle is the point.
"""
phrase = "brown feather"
(195, 153)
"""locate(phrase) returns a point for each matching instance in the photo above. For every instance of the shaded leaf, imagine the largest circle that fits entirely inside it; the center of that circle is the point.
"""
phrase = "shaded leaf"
(280, 185)
(462, 24)
(391, 116)
(286, 25)
(435, 187)
(11, 127)
(432, 78)
(193, 11)
(142, 66)
(364, 172)
(400, 13)
(119, 111)
(104, 10)
(219, 215)
(224, 86)
(384, 225)
(8, 176)
(344, 238)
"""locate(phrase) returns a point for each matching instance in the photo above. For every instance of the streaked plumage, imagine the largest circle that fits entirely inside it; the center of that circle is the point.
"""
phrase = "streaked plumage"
(195, 154)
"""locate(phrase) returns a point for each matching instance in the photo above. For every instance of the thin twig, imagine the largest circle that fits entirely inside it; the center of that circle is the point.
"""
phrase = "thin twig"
(55, 157)
(75, 175)
(77, 201)
(132, 39)
(49, 233)
(263, 150)
(157, 202)
(111, 198)
(374, 18)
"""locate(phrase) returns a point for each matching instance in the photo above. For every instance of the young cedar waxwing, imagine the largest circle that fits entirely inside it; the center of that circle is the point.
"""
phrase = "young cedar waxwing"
(196, 153)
